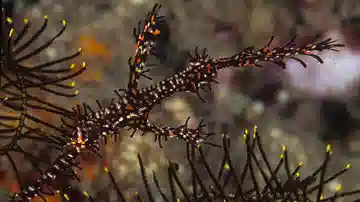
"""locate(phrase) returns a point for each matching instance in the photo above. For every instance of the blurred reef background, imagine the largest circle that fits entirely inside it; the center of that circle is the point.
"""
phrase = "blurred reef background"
(301, 108)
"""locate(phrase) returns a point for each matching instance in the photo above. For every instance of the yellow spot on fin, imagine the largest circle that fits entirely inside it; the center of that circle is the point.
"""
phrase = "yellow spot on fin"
(72, 84)
(66, 197)
(328, 148)
(11, 32)
(9, 20)
(338, 188)
(83, 64)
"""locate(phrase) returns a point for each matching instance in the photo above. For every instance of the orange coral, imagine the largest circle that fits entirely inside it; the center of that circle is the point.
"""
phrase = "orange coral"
(55, 198)
(93, 48)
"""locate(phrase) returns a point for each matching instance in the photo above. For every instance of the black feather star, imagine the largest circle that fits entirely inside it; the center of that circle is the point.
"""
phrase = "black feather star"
(228, 182)
(19, 85)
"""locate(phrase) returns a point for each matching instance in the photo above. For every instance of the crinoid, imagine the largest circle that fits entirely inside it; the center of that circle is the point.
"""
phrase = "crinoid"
(19, 85)
(84, 130)
(231, 183)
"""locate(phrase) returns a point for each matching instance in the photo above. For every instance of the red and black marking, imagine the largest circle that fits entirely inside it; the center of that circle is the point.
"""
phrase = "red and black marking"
(145, 42)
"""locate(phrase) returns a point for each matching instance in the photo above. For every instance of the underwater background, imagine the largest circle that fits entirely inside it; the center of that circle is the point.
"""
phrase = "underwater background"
(303, 109)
